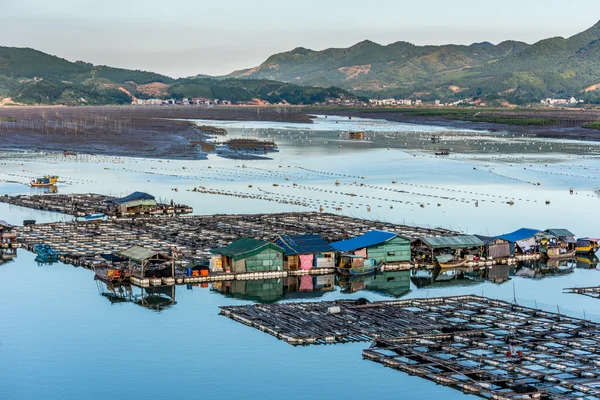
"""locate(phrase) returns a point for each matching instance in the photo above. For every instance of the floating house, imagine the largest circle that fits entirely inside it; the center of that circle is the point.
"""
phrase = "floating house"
(149, 263)
(8, 238)
(447, 250)
(248, 255)
(523, 241)
(377, 246)
(495, 248)
(135, 203)
(564, 238)
(356, 135)
(306, 252)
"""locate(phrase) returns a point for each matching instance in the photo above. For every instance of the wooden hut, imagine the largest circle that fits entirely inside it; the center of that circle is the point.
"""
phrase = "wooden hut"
(377, 246)
(523, 241)
(249, 255)
(564, 238)
(8, 238)
(449, 250)
(135, 203)
(150, 263)
(495, 248)
(306, 252)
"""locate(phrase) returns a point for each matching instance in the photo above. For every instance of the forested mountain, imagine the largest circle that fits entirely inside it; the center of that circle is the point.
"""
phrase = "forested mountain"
(509, 70)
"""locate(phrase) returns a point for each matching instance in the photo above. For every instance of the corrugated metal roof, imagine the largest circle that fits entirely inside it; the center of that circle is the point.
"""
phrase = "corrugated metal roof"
(519, 234)
(303, 244)
(138, 253)
(368, 239)
(452, 242)
(560, 232)
(135, 196)
(244, 246)
(487, 240)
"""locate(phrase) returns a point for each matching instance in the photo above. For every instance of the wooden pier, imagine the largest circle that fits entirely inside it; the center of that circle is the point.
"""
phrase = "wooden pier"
(587, 291)
(478, 345)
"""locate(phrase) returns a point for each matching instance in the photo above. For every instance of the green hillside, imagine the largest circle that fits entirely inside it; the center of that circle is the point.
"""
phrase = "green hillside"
(512, 71)
(29, 76)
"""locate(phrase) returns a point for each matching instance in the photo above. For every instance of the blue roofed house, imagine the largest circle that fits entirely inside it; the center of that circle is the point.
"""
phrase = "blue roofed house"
(523, 241)
(377, 246)
(306, 252)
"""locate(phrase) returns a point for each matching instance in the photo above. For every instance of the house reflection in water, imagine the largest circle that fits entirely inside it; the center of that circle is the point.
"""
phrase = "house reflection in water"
(271, 290)
(587, 261)
(153, 298)
(439, 278)
(542, 269)
(7, 255)
(394, 284)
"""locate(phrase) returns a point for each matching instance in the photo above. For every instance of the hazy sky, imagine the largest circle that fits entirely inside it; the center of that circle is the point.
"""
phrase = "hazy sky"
(188, 37)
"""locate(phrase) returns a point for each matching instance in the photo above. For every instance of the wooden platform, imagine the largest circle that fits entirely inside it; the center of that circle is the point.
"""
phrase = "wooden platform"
(460, 342)
(587, 291)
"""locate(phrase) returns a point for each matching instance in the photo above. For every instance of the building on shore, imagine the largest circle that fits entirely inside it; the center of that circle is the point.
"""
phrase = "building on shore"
(248, 255)
(376, 246)
(135, 203)
(306, 252)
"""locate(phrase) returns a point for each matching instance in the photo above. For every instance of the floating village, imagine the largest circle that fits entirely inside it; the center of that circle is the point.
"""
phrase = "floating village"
(475, 344)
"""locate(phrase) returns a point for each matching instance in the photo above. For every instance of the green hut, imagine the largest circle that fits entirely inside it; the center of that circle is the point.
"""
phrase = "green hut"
(249, 255)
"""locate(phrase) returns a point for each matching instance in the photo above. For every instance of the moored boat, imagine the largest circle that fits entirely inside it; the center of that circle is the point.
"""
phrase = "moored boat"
(558, 253)
(587, 245)
(351, 265)
(95, 216)
(447, 261)
(111, 275)
(45, 252)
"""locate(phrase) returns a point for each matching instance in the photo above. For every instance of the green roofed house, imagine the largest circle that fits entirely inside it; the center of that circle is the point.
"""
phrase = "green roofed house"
(248, 255)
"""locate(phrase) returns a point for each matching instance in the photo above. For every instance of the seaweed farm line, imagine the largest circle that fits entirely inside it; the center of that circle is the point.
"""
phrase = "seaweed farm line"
(490, 348)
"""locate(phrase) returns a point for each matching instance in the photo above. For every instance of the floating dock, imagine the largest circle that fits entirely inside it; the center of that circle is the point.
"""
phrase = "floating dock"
(587, 291)
(461, 342)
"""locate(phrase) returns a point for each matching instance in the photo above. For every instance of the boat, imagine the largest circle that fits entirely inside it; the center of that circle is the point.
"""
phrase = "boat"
(587, 245)
(45, 252)
(554, 253)
(351, 265)
(447, 261)
(111, 275)
(46, 181)
(443, 152)
(95, 216)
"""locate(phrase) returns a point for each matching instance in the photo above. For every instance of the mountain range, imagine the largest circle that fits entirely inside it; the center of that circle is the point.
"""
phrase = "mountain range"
(511, 71)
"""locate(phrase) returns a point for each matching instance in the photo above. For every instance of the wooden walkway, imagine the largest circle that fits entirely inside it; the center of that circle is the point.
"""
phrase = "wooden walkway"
(461, 342)
(587, 291)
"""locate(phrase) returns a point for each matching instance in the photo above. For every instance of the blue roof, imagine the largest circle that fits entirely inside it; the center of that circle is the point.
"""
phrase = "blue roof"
(519, 234)
(303, 244)
(133, 197)
(368, 239)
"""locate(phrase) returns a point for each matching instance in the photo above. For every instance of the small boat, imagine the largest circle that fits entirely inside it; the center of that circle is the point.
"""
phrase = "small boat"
(111, 275)
(45, 252)
(587, 245)
(46, 181)
(443, 152)
(95, 216)
(447, 261)
(554, 253)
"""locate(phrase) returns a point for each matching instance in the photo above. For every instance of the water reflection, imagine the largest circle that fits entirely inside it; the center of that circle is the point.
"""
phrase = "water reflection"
(587, 261)
(541, 268)
(152, 298)
(7, 255)
(395, 284)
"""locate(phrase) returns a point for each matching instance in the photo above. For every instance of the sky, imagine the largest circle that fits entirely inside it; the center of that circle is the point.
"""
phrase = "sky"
(188, 37)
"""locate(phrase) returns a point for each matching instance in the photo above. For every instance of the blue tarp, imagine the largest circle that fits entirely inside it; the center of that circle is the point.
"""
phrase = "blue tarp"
(368, 239)
(135, 196)
(303, 244)
(519, 234)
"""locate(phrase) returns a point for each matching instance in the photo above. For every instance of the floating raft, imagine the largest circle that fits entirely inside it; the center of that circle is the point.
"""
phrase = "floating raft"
(587, 291)
(460, 342)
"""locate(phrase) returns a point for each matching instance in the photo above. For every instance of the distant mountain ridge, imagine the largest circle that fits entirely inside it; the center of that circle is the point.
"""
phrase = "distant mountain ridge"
(513, 70)
(29, 76)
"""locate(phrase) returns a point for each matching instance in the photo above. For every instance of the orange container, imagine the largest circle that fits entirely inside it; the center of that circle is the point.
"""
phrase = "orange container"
(204, 272)
(204, 285)
(195, 273)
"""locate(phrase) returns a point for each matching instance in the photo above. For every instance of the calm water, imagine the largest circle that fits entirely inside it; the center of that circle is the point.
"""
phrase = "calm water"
(65, 336)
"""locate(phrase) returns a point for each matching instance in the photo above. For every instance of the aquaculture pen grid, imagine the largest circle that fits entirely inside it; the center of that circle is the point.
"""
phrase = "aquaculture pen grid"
(461, 342)
(587, 291)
